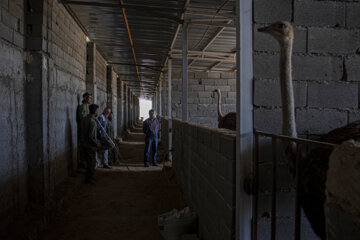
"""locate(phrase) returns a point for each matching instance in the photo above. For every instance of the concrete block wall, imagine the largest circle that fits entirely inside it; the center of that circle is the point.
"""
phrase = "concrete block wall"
(164, 126)
(326, 56)
(204, 162)
(202, 102)
(67, 48)
(164, 96)
(101, 88)
(326, 85)
(13, 162)
(42, 78)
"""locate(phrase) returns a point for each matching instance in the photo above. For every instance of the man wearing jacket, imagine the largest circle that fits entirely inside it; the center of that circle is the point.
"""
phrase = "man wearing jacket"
(90, 142)
(81, 113)
(151, 129)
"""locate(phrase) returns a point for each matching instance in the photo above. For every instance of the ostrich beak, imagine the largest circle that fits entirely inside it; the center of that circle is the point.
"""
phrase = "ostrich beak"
(264, 29)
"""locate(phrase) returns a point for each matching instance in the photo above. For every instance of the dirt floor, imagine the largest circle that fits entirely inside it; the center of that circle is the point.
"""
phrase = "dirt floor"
(121, 205)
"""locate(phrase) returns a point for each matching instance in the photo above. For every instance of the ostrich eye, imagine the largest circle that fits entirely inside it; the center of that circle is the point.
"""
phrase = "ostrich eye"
(282, 26)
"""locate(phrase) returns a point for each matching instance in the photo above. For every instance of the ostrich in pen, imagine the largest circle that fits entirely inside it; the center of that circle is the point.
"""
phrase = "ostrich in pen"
(315, 164)
(229, 120)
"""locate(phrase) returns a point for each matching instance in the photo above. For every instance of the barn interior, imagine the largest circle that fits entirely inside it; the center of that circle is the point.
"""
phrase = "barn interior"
(257, 103)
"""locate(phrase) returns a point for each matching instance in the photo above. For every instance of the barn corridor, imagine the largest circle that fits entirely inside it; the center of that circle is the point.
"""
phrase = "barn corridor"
(121, 205)
(255, 105)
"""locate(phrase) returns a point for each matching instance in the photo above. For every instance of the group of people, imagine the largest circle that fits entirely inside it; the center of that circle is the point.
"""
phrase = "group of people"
(95, 136)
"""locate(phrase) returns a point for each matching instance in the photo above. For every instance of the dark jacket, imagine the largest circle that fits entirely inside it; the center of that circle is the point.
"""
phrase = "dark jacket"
(151, 127)
(89, 132)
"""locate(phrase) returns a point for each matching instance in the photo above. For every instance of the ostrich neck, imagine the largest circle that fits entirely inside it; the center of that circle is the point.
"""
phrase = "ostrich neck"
(219, 105)
(287, 94)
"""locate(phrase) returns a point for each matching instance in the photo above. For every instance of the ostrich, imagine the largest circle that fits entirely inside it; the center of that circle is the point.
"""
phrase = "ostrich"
(229, 120)
(315, 165)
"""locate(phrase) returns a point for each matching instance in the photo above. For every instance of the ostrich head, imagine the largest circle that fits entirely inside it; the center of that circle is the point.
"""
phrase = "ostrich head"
(281, 31)
(217, 90)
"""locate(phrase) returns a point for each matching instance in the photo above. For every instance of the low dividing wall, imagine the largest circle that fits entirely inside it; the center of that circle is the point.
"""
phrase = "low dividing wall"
(204, 162)
(164, 134)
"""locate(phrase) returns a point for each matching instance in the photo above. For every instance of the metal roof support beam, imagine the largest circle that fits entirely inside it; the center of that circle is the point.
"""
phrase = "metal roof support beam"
(213, 59)
(177, 31)
(190, 20)
(201, 12)
(224, 25)
(145, 10)
(129, 6)
(145, 48)
(138, 65)
(214, 66)
(211, 40)
(205, 53)
(130, 39)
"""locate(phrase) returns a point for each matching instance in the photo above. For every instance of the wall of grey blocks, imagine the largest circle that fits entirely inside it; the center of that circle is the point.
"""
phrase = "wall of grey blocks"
(325, 64)
(202, 102)
(208, 154)
(326, 75)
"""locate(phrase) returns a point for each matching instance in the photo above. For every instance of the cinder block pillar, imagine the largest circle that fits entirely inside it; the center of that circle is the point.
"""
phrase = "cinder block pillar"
(109, 86)
(111, 93)
(125, 107)
(120, 109)
(39, 75)
(91, 69)
(132, 110)
(128, 104)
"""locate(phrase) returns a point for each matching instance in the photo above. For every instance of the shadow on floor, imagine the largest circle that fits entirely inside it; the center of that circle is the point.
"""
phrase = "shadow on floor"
(121, 205)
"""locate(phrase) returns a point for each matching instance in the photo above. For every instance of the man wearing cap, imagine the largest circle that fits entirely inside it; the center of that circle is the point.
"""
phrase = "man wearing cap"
(82, 112)
(90, 142)
(151, 129)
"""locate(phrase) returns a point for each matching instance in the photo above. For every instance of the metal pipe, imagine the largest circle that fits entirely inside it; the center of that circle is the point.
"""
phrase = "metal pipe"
(297, 140)
(130, 40)
(256, 191)
(298, 193)
(160, 89)
(244, 116)
(184, 100)
(187, 2)
(170, 107)
(273, 193)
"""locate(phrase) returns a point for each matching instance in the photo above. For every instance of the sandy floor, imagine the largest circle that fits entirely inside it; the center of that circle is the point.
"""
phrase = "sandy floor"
(121, 205)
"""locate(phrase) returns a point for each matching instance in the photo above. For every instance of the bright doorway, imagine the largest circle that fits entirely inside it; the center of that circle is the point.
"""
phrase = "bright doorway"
(145, 106)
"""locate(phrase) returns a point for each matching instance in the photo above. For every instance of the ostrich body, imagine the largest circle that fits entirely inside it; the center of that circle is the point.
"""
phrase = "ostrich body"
(229, 120)
(315, 165)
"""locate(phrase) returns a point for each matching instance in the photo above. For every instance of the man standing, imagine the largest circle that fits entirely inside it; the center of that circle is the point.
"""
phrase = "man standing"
(151, 129)
(104, 135)
(81, 113)
(90, 142)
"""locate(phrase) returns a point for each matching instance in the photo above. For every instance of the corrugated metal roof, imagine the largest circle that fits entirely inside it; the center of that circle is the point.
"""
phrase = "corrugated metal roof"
(153, 24)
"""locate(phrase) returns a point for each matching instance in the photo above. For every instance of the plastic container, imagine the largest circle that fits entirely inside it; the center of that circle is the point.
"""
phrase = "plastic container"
(172, 226)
